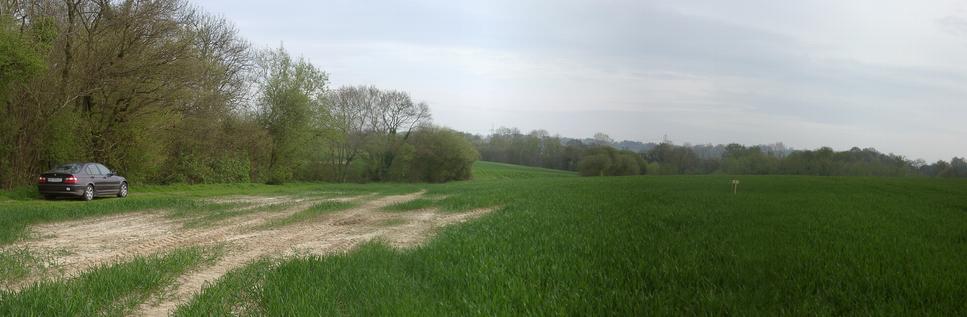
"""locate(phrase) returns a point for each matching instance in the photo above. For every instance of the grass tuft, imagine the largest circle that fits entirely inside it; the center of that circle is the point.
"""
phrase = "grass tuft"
(313, 212)
(16, 264)
(416, 204)
(236, 293)
(106, 290)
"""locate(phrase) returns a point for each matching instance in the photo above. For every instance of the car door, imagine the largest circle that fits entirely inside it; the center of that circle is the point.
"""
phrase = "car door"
(112, 182)
(93, 175)
(101, 183)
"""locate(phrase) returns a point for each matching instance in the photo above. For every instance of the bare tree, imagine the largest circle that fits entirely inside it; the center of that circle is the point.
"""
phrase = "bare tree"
(369, 121)
(348, 119)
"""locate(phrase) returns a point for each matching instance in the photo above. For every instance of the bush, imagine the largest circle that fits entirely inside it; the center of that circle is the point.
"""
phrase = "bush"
(594, 165)
(231, 170)
(606, 161)
(434, 154)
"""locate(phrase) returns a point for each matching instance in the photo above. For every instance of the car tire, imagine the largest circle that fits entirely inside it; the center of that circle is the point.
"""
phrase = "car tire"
(88, 193)
(123, 192)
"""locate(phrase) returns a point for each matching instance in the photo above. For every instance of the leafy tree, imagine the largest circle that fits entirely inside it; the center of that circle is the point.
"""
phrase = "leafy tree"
(607, 161)
(434, 155)
(739, 159)
(673, 159)
(20, 61)
(291, 92)
(594, 165)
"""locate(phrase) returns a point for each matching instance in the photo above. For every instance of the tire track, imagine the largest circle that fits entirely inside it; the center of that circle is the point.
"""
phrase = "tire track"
(78, 246)
(333, 233)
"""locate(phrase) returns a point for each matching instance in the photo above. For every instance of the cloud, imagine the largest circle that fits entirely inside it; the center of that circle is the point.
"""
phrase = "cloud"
(816, 72)
(954, 25)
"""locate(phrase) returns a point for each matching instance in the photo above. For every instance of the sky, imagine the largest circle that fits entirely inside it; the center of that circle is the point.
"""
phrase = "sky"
(886, 74)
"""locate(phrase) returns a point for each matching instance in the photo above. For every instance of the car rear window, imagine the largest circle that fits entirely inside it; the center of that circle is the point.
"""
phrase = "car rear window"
(67, 169)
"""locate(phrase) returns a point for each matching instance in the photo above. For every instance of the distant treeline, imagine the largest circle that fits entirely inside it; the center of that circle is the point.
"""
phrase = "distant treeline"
(165, 93)
(601, 156)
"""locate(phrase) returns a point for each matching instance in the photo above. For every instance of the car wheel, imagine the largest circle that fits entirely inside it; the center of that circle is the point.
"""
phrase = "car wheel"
(124, 190)
(88, 193)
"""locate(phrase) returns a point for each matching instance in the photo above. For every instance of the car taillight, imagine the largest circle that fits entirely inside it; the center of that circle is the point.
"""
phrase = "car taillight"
(70, 180)
(41, 180)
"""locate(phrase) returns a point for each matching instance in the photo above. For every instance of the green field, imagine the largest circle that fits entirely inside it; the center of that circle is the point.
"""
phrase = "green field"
(562, 245)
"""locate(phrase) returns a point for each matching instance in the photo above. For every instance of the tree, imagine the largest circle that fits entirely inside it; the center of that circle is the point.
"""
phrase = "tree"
(594, 165)
(956, 168)
(673, 159)
(166, 93)
(290, 95)
(20, 61)
(391, 112)
(602, 139)
(607, 161)
(370, 124)
(435, 155)
(739, 159)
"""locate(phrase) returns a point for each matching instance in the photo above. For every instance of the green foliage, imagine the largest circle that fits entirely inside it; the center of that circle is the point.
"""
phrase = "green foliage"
(110, 96)
(19, 60)
(61, 143)
(537, 148)
(435, 155)
(825, 161)
(606, 161)
(194, 170)
(290, 99)
(743, 160)
(956, 168)
(594, 165)
(231, 170)
(673, 159)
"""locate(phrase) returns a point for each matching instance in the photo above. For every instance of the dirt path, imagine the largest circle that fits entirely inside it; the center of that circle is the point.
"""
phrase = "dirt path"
(79, 245)
(70, 248)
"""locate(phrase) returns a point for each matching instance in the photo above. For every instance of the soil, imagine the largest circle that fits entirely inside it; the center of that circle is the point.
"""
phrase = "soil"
(77, 246)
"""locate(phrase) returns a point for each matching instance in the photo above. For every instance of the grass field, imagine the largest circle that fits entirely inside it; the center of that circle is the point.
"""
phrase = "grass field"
(562, 245)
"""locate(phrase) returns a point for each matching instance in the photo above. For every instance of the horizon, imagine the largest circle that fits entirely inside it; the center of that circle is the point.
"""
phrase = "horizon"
(887, 75)
(672, 141)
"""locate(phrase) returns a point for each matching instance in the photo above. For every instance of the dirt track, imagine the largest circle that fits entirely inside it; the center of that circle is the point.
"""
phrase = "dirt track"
(76, 246)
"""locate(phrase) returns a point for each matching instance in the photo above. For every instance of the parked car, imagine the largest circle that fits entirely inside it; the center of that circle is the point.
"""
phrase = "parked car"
(83, 180)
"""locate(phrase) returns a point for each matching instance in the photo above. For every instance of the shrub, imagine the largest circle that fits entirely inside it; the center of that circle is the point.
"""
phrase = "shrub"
(606, 161)
(594, 165)
(433, 154)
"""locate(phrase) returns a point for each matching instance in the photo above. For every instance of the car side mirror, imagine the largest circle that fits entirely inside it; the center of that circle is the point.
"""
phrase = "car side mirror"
(110, 174)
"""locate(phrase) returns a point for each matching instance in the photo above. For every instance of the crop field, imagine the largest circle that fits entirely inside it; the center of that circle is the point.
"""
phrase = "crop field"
(513, 241)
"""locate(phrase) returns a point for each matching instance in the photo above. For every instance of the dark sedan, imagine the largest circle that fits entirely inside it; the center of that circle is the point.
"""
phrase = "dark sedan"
(83, 180)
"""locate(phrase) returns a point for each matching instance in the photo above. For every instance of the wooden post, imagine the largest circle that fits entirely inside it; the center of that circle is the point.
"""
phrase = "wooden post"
(735, 186)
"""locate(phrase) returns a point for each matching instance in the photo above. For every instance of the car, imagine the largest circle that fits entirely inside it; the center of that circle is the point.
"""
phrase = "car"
(82, 180)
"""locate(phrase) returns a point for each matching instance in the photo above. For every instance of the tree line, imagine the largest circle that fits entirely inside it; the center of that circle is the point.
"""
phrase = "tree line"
(602, 156)
(166, 93)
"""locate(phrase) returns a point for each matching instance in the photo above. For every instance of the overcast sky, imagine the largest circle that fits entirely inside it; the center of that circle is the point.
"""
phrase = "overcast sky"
(871, 73)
